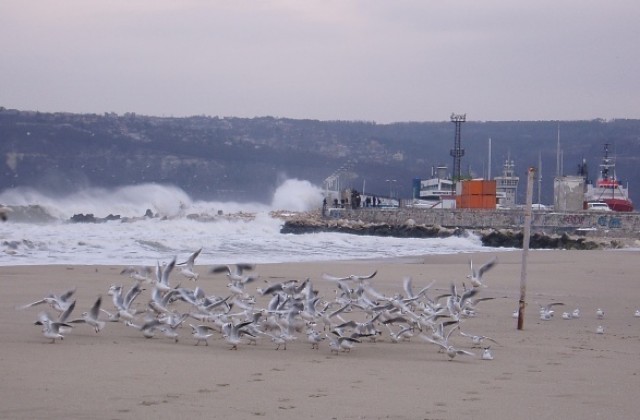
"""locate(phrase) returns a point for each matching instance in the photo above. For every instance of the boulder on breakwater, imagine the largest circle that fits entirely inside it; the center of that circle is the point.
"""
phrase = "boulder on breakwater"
(372, 229)
(90, 218)
(490, 237)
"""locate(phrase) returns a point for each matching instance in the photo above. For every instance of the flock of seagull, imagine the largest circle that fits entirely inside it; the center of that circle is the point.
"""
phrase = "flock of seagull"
(294, 310)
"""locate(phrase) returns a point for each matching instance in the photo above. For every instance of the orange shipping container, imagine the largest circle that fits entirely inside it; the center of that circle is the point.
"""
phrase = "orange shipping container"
(489, 188)
(478, 187)
(469, 201)
(476, 201)
(471, 187)
(488, 201)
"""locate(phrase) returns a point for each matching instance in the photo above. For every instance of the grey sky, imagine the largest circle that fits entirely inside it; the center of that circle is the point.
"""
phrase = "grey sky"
(382, 61)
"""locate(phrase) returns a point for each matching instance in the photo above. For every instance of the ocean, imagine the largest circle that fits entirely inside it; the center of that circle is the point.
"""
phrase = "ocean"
(38, 230)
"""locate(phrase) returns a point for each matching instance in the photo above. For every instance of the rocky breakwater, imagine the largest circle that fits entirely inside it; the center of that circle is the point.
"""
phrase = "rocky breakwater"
(506, 238)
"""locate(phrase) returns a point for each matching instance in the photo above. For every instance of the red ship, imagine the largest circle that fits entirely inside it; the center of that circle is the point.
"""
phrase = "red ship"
(607, 188)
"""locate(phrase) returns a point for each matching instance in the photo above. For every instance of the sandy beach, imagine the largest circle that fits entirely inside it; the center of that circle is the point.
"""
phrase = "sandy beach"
(550, 370)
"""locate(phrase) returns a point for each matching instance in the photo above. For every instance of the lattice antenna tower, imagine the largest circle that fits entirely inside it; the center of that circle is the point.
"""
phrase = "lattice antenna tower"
(457, 152)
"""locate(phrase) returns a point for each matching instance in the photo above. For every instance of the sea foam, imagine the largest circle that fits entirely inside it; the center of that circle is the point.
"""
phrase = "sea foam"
(174, 231)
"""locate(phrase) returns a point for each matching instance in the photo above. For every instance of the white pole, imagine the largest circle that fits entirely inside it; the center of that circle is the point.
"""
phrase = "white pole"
(489, 170)
(558, 153)
(539, 177)
(525, 247)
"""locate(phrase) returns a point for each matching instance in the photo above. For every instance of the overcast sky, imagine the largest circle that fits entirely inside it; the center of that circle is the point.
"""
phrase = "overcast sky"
(382, 61)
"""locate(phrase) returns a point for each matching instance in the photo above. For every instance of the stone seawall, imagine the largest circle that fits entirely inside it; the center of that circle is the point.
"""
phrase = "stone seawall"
(583, 230)
(591, 224)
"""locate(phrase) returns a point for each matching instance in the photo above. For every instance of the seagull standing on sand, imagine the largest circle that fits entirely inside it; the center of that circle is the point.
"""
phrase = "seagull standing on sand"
(51, 329)
(314, 338)
(546, 313)
(233, 333)
(599, 313)
(486, 354)
(202, 333)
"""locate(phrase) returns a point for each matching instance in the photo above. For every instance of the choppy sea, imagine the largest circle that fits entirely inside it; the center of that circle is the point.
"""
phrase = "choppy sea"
(39, 231)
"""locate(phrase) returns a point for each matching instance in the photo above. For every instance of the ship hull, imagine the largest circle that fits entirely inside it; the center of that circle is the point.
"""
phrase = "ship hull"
(618, 204)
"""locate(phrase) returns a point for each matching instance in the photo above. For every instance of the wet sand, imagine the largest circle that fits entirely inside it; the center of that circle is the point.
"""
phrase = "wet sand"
(551, 369)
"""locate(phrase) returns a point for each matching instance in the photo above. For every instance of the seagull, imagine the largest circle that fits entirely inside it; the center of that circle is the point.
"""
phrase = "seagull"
(546, 313)
(408, 288)
(162, 275)
(62, 318)
(600, 329)
(233, 333)
(546, 316)
(451, 351)
(123, 303)
(281, 339)
(486, 354)
(188, 270)
(456, 303)
(234, 273)
(91, 317)
(51, 329)
(139, 273)
(288, 287)
(201, 333)
(339, 343)
(111, 317)
(576, 313)
(599, 313)
(237, 280)
(476, 275)
(637, 313)
(148, 329)
(567, 315)
(477, 340)
(314, 338)
(352, 277)
(59, 303)
(404, 334)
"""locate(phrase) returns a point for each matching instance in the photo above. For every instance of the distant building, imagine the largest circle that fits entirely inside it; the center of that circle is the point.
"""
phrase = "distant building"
(507, 186)
(568, 193)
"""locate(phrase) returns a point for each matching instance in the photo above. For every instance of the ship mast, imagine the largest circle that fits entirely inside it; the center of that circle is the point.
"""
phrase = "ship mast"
(606, 164)
(539, 176)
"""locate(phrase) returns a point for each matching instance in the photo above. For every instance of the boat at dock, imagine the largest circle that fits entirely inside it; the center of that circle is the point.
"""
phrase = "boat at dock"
(607, 188)
(438, 191)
